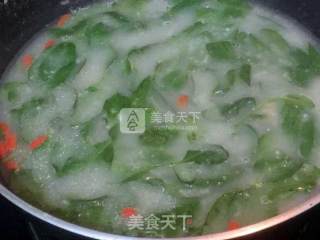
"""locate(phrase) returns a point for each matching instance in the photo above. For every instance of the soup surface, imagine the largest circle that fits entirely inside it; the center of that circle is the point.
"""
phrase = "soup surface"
(164, 118)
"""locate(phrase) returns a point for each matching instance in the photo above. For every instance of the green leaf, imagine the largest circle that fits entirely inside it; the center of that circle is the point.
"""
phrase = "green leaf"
(31, 108)
(151, 158)
(138, 99)
(114, 131)
(55, 65)
(245, 73)
(299, 101)
(71, 165)
(222, 210)
(234, 109)
(133, 9)
(232, 76)
(114, 105)
(304, 180)
(274, 38)
(222, 50)
(204, 174)
(249, 41)
(222, 206)
(175, 80)
(237, 206)
(129, 5)
(118, 17)
(105, 151)
(85, 129)
(128, 67)
(305, 65)
(298, 122)
(25, 185)
(86, 213)
(182, 4)
(197, 28)
(213, 154)
(157, 136)
(92, 89)
(139, 96)
(97, 33)
(314, 55)
(10, 90)
(101, 153)
(225, 86)
(235, 8)
(307, 137)
(273, 163)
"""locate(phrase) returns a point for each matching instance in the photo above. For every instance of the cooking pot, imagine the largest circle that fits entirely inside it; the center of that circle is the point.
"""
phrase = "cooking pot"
(21, 19)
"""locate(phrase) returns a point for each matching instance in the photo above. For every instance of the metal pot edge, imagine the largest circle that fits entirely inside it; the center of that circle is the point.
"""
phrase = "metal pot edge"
(86, 232)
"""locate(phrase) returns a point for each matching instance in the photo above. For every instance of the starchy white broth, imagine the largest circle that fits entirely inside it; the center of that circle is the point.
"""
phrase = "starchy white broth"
(248, 76)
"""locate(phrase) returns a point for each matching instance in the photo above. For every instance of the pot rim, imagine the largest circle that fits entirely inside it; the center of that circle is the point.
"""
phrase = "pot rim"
(95, 234)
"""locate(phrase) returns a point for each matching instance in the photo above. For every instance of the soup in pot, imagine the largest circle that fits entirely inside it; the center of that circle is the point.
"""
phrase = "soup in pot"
(164, 118)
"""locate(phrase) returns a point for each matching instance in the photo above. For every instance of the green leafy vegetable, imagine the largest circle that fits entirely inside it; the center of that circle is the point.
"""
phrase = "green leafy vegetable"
(55, 65)
(118, 17)
(157, 136)
(223, 50)
(245, 73)
(139, 96)
(227, 83)
(138, 99)
(237, 205)
(71, 165)
(204, 174)
(249, 44)
(92, 89)
(298, 121)
(114, 105)
(273, 162)
(305, 65)
(234, 109)
(84, 212)
(303, 180)
(232, 76)
(299, 101)
(98, 33)
(274, 39)
(152, 158)
(180, 5)
(175, 80)
(105, 151)
(131, 9)
(234, 8)
(9, 91)
(213, 154)
(29, 109)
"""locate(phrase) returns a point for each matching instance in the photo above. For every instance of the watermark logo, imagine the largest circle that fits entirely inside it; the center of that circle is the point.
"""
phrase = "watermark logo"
(135, 120)
(169, 117)
(175, 120)
(153, 223)
(132, 120)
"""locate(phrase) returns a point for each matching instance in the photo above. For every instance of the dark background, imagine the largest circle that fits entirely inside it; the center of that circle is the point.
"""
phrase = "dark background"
(21, 19)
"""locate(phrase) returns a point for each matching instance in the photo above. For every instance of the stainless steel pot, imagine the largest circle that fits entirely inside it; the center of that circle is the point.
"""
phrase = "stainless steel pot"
(82, 231)
(19, 20)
